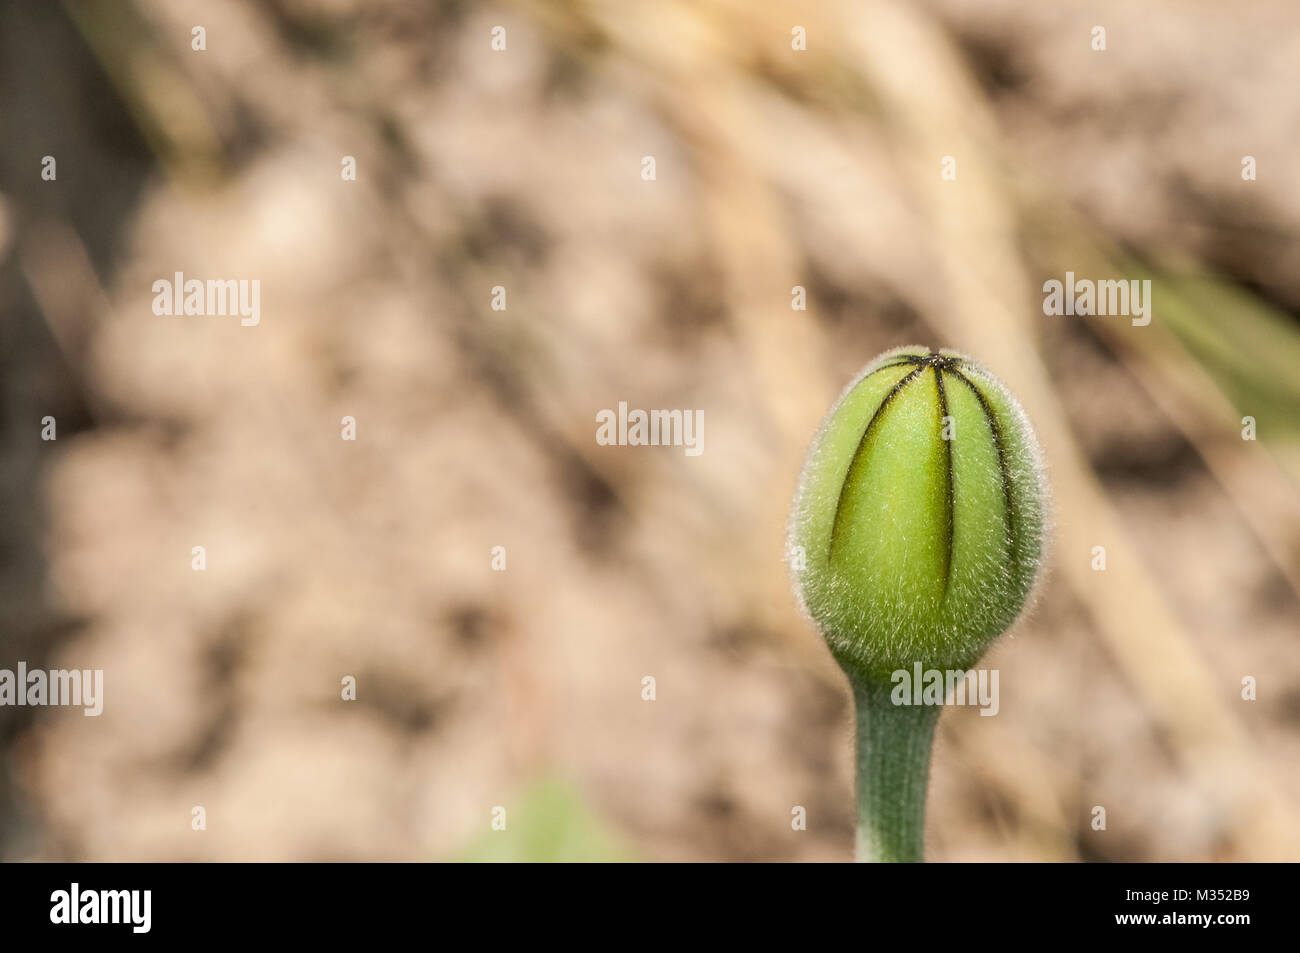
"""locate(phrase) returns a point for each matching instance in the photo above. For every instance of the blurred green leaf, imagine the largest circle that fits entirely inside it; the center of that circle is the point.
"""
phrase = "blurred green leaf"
(549, 822)
(1250, 349)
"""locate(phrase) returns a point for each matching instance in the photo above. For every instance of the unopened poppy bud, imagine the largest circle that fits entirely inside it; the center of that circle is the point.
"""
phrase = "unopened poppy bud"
(921, 515)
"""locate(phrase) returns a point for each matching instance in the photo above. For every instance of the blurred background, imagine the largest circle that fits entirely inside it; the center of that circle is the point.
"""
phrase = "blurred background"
(522, 688)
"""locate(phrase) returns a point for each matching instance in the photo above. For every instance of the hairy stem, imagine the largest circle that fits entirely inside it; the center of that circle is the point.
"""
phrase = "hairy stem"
(893, 766)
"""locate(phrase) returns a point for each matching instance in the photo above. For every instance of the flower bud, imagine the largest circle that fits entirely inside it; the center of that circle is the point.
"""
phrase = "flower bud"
(921, 514)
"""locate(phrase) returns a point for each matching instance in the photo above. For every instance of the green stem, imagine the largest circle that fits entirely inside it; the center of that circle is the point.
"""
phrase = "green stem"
(893, 765)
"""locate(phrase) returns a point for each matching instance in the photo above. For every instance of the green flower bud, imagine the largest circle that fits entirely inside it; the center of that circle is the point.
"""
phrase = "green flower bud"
(921, 514)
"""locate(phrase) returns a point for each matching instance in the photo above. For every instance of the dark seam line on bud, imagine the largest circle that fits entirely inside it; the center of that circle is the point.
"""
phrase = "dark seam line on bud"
(901, 362)
(885, 367)
(882, 367)
(875, 418)
(950, 501)
(1003, 470)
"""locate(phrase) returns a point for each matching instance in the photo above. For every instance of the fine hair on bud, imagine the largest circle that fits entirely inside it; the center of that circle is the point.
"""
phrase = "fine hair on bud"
(922, 514)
